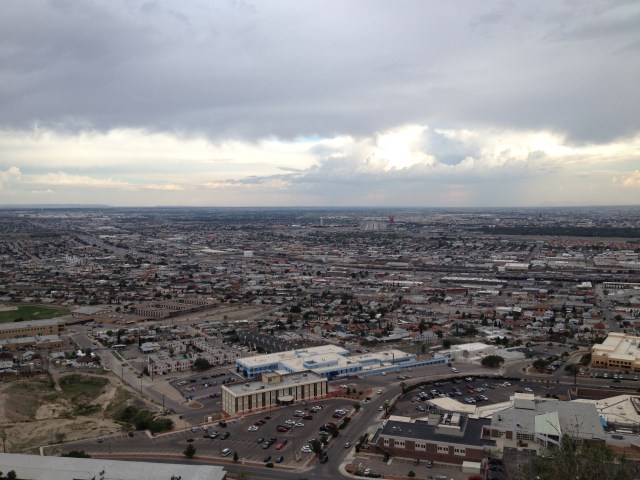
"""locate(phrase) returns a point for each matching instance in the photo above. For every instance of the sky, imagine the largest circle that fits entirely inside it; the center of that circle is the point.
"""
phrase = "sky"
(418, 103)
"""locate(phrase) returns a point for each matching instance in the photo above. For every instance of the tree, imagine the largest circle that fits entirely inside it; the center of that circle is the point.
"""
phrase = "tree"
(316, 446)
(446, 343)
(573, 369)
(76, 454)
(411, 474)
(540, 364)
(12, 475)
(235, 457)
(492, 361)
(357, 406)
(403, 386)
(579, 461)
(202, 364)
(190, 451)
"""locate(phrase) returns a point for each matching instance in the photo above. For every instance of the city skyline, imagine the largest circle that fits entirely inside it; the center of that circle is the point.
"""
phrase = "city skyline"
(352, 103)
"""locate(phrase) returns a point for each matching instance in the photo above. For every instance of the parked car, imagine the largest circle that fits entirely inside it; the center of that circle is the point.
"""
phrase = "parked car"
(225, 452)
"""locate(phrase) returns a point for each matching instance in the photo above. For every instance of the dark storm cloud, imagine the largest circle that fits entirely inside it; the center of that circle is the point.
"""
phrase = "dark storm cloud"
(288, 69)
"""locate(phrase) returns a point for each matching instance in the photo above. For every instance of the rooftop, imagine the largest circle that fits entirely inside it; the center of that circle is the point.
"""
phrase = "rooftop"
(423, 430)
(35, 467)
(286, 380)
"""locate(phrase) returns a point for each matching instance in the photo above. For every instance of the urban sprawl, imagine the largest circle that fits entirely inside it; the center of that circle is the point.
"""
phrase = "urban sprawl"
(435, 343)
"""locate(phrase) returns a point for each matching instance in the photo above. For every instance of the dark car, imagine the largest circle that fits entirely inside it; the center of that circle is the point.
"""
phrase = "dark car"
(131, 434)
(261, 439)
(226, 435)
(280, 459)
(267, 459)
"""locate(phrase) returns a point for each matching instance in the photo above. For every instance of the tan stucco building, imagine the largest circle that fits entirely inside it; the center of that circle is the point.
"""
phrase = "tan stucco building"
(274, 389)
(618, 352)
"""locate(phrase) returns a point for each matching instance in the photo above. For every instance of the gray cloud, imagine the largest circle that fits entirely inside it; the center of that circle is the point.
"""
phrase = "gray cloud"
(289, 69)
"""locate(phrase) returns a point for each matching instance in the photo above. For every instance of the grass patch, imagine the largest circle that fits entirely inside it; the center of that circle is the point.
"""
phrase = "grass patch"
(120, 399)
(82, 389)
(117, 355)
(143, 419)
(25, 397)
(86, 409)
(29, 313)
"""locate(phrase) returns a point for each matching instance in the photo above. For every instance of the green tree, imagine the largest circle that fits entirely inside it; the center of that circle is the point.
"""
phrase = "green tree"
(411, 474)
(403, 386)
(202, 364)
(578, 461)
(316, 446)
(357, 406)
(573, 369)
(446, 343)
(492, 361)
(540, 364)
(76, 454)
(334, 431)
(235, 457)
(190, 451)
(12, 475)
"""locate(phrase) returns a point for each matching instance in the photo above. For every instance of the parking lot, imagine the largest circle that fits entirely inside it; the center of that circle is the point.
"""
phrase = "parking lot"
(470, 390)
(204, 385)
(254, 438)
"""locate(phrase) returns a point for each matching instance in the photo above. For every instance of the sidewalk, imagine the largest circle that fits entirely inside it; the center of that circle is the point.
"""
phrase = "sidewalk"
(399, 468)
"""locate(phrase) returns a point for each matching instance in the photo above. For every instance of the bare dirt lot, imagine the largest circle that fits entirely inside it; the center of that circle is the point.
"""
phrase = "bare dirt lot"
(42, 410)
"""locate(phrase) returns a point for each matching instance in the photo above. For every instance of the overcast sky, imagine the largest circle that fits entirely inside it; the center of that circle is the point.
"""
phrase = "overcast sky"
(333, 102)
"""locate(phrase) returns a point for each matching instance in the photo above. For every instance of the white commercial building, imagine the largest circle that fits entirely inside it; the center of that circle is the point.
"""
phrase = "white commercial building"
(330, 361)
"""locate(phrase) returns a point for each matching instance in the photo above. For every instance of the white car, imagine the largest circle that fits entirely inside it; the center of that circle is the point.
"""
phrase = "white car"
(367, 471)
(379, 391)
(306, 449)
(299, 424)
(253, 428)
(527, 389)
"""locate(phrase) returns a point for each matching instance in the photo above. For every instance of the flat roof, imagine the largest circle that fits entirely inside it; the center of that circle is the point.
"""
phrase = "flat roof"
(618, 409)
(31, 324)
(291, 355)
(420, 430)
(576, 418)
(620, 345)
(35, 467)
(287, 380)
